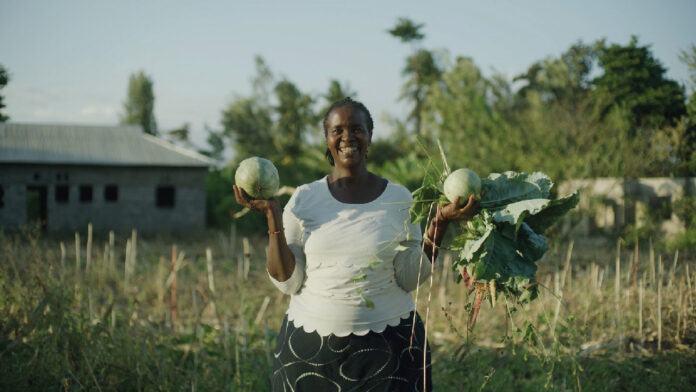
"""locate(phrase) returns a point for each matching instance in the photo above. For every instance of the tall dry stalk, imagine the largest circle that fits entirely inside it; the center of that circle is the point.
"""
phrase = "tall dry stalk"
(685, 311)
(240, 268)
(161, 278)
(126, 270)
(641, 283)
(659, 304)
(134, 247)
(177, 260)
(674, 267)
(62, 257)
(688, 285)
(617, 289)
(679, 313)
(77, 252)
(636, 262)
(112, 244)
(652, 264)
(211, 283)
(105, 258)
(262, 310)
(88, 251)
(247, 256)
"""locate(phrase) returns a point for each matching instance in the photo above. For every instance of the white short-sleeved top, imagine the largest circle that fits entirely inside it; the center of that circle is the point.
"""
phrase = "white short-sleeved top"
(355, 263)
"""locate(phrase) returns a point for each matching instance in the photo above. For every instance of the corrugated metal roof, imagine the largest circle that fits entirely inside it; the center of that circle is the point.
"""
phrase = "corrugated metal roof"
(91, 145)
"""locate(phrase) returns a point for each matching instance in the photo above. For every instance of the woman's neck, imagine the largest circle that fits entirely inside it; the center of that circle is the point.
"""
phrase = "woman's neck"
(349, 177)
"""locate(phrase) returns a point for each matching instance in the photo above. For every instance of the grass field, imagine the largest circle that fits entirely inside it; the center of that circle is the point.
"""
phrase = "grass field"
(131, 313)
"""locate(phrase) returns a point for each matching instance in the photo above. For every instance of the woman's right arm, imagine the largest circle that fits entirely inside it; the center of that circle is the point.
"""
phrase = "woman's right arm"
(281, 261)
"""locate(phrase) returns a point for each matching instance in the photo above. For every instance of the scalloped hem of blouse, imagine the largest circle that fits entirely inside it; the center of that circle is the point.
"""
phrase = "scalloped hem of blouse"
(379, 328)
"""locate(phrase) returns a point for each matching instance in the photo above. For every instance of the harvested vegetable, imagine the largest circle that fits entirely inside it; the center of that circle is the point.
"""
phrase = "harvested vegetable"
(462, 183)
(498, 249)
(258, 177)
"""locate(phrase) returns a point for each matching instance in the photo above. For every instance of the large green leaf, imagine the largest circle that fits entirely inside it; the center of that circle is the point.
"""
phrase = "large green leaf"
(530, 244)
(552, 213)
(498, 259)
(515, 213)
(499, 190)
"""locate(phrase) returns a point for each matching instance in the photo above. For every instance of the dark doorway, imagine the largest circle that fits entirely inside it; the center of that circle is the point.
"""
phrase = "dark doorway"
(36, 205)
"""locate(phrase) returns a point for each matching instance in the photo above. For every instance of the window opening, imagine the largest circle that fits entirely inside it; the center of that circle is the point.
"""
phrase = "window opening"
(85, 193)
(165, 196)
(62, 193)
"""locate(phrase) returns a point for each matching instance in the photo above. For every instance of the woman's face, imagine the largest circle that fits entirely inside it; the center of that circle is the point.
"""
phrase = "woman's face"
(347, 136)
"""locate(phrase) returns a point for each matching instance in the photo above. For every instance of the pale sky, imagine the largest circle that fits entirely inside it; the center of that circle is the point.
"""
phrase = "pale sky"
(69, 60)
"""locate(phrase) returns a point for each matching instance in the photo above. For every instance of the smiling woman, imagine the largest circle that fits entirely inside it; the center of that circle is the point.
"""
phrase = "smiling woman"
(346, 252)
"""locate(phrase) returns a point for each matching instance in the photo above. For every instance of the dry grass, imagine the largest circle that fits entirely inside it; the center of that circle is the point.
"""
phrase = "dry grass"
(200, 314)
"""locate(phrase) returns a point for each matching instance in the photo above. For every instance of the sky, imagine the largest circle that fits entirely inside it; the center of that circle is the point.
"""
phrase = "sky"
(69, 60)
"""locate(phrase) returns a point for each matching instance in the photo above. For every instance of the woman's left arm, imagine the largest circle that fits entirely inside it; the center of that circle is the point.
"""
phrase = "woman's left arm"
(444, 215)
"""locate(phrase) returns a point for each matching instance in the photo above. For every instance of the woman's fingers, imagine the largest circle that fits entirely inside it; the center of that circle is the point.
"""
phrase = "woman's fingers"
(241, 199)
(471, 208)
(464, 212)
(244, 200)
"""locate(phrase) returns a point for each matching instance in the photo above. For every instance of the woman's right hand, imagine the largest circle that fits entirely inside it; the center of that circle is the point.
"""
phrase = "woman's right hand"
(262, 205)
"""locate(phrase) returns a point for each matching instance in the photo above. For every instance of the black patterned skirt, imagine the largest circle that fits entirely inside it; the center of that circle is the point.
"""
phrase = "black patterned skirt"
(386, 361)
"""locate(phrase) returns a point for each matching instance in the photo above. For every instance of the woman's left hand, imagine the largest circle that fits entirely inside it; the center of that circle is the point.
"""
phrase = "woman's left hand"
(453, 212)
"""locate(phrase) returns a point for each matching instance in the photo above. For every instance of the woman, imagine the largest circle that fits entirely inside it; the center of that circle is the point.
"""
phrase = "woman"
(345, 251)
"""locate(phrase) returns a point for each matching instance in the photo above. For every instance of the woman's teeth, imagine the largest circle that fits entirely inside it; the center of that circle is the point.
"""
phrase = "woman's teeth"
(349, 150)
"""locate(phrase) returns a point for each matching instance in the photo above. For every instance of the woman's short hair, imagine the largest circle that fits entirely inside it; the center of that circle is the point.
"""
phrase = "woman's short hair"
(346, 102)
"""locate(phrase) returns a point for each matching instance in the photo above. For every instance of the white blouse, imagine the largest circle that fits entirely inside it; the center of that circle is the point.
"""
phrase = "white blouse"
(355, 264)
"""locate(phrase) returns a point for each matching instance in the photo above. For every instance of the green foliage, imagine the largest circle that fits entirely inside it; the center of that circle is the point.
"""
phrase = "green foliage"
(278, 130)
(421, 71)
(560, 121)
(563, 79)
(336, 92)
(248, 123)
(635, 79)
(294, 119)
(406, 30)
(138, 109)
(457, 112)
(504, 240)
(406, 170)
(4, 79)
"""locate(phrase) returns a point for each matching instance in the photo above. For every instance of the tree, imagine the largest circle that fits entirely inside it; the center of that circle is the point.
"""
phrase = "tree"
(458, 111)
(635, 79)
(688, 57)
(216, 144)
(407, 31)
(563, 79)
(4, 79)
(140, 103)
(421, 71)
(688, 152)
(336, 92)
(294, 118)
(247, 122)
(277, 131)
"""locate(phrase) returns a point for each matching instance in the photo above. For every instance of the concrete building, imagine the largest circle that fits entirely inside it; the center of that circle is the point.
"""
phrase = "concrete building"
(614, 203)
(118, 178)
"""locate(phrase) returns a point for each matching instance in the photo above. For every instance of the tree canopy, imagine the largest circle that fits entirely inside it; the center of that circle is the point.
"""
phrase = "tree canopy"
(635, 79)
(138, 109)
(4, 79)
